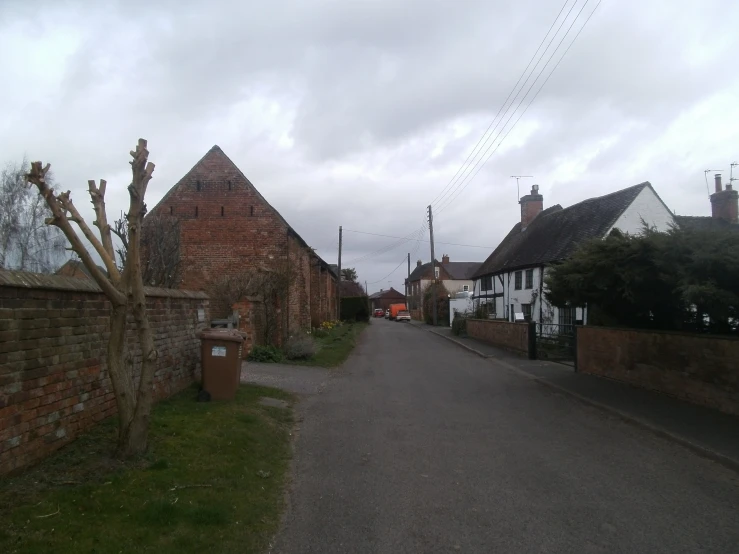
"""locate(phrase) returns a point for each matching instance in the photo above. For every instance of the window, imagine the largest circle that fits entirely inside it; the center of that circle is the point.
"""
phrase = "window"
(567, 316)
(529, 278)
(466, 288)
(526, 309)
(518, 278)
(489, 282)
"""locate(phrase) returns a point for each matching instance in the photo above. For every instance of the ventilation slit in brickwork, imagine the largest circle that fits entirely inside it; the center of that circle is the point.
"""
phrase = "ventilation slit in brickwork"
(197, 184)
(229, 185)
(251, 210)
(221, 210)
(171, 210)
(196, 211)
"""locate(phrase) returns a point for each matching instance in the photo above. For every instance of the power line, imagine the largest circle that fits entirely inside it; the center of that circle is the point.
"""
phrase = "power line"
(527, 93)
(420, 239)
(441, 194)
(412, 236)
(389, 274)
(454, 191)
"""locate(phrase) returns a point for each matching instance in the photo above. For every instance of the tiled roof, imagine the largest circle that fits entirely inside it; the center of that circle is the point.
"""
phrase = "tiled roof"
(456, 270)
(390, 293)
(701, 223)
(555, 233)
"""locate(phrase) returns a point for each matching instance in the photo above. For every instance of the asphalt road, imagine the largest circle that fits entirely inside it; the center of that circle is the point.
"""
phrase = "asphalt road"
(423, 447)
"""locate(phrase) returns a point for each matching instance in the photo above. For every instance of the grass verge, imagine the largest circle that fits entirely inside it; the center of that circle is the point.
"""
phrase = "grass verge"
(335, 347)
(212, 482)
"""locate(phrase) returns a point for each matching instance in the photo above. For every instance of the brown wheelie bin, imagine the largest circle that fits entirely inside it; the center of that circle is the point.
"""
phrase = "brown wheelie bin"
(221, 362)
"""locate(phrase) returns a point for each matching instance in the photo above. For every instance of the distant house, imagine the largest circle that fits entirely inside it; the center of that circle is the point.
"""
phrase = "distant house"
(384, 298)
(511, 280)
(75, 268)
(455, 276)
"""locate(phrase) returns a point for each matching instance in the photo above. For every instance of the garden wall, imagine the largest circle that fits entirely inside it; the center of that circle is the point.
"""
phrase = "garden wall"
(54, 383)
(503, 334)
(702, 369)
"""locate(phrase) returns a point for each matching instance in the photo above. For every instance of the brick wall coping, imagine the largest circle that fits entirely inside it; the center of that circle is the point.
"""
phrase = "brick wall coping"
(28, 280)
(662, 332)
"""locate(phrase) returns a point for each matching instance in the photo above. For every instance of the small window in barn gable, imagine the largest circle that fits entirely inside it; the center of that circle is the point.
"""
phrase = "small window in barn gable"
(221, 210)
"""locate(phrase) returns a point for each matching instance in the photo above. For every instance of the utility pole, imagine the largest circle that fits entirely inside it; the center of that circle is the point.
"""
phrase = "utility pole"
(433, 260)
(517, 177)
(338, 288)
(407, 284)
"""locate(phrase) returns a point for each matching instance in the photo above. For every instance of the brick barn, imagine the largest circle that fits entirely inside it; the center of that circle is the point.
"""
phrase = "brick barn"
(226, 227)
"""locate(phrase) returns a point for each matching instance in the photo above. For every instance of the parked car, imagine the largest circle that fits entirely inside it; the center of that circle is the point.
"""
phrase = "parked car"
(387, 314)
(379, 312)
(403, 315)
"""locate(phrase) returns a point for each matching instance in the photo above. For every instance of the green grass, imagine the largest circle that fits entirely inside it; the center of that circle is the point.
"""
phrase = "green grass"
(212, 482)
(335, 347)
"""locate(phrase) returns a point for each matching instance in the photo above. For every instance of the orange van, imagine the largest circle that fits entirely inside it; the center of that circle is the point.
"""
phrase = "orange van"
(395, 308)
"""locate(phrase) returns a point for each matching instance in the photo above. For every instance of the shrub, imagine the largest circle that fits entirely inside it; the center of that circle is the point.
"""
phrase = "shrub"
(300, 348)
(265, 354)
(459, 325)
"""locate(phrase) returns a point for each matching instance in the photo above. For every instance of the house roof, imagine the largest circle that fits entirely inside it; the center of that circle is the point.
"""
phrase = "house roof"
(76, 267)
(556, 232)
(456, 270)
(390, 293)
(215, 150)
(704, 223)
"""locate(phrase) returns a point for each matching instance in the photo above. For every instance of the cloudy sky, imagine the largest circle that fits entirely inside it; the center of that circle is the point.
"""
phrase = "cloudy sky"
(360, 112)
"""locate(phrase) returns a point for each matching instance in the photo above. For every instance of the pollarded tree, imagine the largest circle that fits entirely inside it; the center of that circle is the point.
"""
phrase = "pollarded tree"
(124, 289)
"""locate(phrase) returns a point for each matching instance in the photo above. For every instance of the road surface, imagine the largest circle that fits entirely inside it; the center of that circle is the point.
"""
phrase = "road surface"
(420, 446)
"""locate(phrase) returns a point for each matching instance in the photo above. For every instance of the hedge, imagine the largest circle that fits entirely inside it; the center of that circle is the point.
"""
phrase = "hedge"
(354, 308)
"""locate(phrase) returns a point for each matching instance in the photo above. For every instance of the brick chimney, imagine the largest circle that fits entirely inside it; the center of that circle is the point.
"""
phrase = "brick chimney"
(531, 205)
(419, 263)
(445, 259)
(724, 203)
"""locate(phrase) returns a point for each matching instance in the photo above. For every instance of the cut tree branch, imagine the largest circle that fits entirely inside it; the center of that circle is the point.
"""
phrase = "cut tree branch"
(37, 176)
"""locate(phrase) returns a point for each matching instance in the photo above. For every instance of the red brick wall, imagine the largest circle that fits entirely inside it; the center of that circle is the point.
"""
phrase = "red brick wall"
(503, 334)
(702, 369)
(53, 379)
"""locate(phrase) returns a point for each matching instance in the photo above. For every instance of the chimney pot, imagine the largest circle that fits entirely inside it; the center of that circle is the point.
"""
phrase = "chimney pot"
(717, 178)
(419, 263)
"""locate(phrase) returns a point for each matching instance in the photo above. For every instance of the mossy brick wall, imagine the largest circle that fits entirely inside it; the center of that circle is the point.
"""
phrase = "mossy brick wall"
(54, 382)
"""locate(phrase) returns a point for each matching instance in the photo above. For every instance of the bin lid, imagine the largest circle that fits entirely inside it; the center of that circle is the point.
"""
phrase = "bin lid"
(222, 334)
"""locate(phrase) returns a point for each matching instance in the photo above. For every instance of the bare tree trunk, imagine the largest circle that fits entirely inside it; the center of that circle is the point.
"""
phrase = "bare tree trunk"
(119, 373)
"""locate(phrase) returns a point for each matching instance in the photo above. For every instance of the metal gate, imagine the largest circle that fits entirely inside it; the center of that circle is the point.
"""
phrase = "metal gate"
(555, 342)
